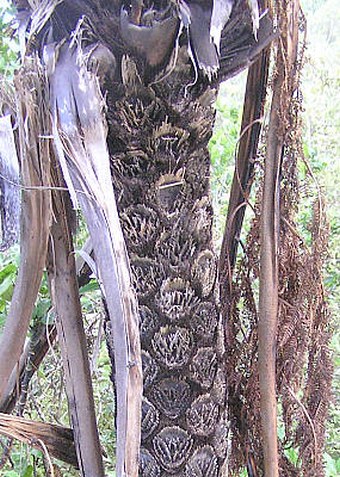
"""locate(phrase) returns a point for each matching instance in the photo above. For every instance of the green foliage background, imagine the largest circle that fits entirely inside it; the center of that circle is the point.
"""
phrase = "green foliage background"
(8, 46)
(320, 85)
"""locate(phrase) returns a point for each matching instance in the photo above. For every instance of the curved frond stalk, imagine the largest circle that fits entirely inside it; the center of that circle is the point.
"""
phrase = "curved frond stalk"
(33, 119)
(252, 118)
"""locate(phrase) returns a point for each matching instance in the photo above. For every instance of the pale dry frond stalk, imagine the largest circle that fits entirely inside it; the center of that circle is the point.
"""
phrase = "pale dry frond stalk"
(56, 440)
(33, 120)
(81, 127)
(269, 237)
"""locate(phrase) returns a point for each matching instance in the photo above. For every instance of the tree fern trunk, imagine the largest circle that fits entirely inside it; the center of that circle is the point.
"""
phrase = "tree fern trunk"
(161, 168)
(158, 136)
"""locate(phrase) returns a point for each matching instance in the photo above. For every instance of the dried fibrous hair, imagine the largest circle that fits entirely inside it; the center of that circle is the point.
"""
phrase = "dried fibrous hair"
(303, 362)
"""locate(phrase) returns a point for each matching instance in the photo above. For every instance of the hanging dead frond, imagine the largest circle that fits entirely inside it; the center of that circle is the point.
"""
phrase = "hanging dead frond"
(300, 379)
(80, 137)
(252, 118)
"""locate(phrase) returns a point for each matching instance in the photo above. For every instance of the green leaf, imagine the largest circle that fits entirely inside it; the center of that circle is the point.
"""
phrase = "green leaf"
(6, 288)
(332, 466)
(8, 270)
(292, 455)
(91, 286)
(42, 307)
(28, 471)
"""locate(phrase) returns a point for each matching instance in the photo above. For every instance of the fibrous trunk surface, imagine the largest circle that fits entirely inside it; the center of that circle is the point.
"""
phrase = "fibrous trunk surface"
(161, 168)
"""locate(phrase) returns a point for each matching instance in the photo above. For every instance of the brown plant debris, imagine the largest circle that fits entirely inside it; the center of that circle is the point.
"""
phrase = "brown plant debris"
(51, 438)
(303, 363)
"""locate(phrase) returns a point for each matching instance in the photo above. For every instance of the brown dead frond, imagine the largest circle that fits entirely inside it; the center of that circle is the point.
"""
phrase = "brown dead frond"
(303, 362)
(56, 440)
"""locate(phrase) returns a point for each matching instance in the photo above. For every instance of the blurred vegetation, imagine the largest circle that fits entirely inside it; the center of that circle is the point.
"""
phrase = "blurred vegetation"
(320, 87)
(8, 46)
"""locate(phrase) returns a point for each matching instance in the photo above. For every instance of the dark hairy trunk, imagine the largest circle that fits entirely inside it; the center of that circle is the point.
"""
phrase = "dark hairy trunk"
(160, 170)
